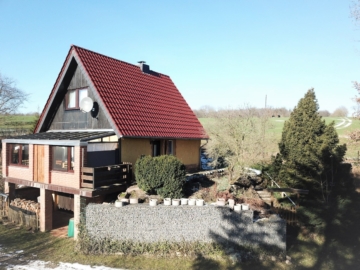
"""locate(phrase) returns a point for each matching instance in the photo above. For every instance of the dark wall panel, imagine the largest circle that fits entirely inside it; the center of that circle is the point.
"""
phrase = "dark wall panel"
(75, 119)
(102, 158)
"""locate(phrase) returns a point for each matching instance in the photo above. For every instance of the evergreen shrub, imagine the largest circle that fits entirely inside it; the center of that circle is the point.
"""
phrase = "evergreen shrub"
(163, 175)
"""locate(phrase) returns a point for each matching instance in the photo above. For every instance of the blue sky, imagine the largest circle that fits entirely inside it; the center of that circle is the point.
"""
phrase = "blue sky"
(218, 53)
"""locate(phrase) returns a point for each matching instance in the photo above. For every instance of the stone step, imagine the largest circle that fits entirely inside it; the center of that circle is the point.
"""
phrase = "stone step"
(265, 196)
(263, 192)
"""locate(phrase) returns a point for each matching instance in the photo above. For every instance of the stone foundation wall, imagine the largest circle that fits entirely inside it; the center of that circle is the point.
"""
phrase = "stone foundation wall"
(209, 223)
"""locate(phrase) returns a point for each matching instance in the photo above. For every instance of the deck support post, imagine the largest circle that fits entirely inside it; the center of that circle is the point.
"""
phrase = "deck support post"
(46, 210)
(11, 191)
(77, 211)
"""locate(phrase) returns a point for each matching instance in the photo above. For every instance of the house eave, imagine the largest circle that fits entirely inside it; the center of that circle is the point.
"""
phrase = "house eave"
(64, 138)
(47, 142)
(164, 138)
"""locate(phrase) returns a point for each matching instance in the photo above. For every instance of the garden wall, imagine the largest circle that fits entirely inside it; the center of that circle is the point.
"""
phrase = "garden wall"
(143, 223)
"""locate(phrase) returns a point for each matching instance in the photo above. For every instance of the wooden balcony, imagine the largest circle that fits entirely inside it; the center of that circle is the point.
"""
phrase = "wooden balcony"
(95, 177)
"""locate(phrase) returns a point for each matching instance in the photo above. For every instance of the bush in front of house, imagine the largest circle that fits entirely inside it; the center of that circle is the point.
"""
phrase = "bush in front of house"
(163, 175)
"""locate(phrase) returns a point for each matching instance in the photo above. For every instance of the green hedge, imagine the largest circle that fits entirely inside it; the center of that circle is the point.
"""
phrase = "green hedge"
(163, 175)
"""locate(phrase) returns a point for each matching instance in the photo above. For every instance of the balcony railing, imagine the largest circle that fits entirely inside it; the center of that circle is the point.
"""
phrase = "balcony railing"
(94, 177)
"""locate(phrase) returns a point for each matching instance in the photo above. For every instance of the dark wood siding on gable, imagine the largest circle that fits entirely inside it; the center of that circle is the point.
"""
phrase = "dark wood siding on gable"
(75, 119)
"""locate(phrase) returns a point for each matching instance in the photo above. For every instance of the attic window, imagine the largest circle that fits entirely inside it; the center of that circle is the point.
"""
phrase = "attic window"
(74, 97)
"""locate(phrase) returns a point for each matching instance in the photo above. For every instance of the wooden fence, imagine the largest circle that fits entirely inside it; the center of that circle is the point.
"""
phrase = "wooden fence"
(106, 175)
(290, 215)
(10, 132)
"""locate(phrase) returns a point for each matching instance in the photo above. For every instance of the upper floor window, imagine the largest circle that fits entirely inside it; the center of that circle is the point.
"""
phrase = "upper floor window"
(19, 154)
(62, 158)
(74, 97)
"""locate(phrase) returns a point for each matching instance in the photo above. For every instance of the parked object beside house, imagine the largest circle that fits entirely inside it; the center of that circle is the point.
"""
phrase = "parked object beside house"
(101, 116)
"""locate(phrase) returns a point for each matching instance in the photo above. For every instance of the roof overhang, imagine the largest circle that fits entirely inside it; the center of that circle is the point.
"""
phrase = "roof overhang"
(163, 138)
(64, 138)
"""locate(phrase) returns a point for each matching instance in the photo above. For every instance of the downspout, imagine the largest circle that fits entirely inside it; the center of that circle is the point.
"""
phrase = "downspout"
(201, 146)
(119, 148)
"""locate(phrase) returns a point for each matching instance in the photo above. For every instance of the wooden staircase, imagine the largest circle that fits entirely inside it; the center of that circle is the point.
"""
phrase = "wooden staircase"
(265, 196)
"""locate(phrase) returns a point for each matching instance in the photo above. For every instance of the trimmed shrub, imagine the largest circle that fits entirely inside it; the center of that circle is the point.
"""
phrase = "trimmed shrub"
(163, 175)
(146, 174)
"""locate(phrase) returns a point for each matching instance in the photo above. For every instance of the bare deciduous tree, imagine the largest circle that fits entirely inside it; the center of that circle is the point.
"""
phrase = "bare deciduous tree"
(357, 101)
(240, 138)
(340, 112)
(355, 10)
(355, 14)
(204, 111)
(324, 113)
(11, 97)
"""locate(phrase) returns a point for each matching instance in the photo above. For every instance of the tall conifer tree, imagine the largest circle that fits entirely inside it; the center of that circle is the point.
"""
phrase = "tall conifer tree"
(308, 147)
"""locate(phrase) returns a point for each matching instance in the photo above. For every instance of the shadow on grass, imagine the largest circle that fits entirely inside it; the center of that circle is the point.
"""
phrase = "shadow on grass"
(201, 263)
(329, 236)
(20, 243)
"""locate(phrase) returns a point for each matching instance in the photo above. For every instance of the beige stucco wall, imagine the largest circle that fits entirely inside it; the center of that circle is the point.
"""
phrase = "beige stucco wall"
(132, 149)
(188, 152)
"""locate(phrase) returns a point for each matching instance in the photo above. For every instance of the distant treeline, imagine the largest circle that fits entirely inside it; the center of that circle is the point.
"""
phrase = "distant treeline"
(208, 111)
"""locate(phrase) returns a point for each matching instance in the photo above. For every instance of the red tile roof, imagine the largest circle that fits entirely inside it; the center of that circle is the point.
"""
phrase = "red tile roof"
(140, 104)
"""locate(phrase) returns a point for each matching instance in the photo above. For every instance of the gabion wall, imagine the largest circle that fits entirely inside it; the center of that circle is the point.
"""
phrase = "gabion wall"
(208, 223)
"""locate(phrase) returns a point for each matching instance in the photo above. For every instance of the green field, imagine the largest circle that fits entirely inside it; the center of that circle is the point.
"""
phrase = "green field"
(16, 121)
(277, 124)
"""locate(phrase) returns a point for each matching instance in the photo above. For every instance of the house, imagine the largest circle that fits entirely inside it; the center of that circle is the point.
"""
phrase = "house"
(101, 116)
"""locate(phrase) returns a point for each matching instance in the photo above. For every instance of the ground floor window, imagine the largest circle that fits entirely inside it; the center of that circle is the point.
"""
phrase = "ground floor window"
(19, 154)
(170, 147)
(162, 147)
(156, 148)
(62, 158)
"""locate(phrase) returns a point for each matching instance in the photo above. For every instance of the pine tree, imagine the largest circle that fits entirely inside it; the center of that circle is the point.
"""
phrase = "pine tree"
(308, 147)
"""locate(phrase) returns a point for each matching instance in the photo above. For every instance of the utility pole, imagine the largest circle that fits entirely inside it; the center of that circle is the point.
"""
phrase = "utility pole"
(265, 100)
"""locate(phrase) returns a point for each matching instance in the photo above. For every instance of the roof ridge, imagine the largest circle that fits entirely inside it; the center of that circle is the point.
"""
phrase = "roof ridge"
(78, 47)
